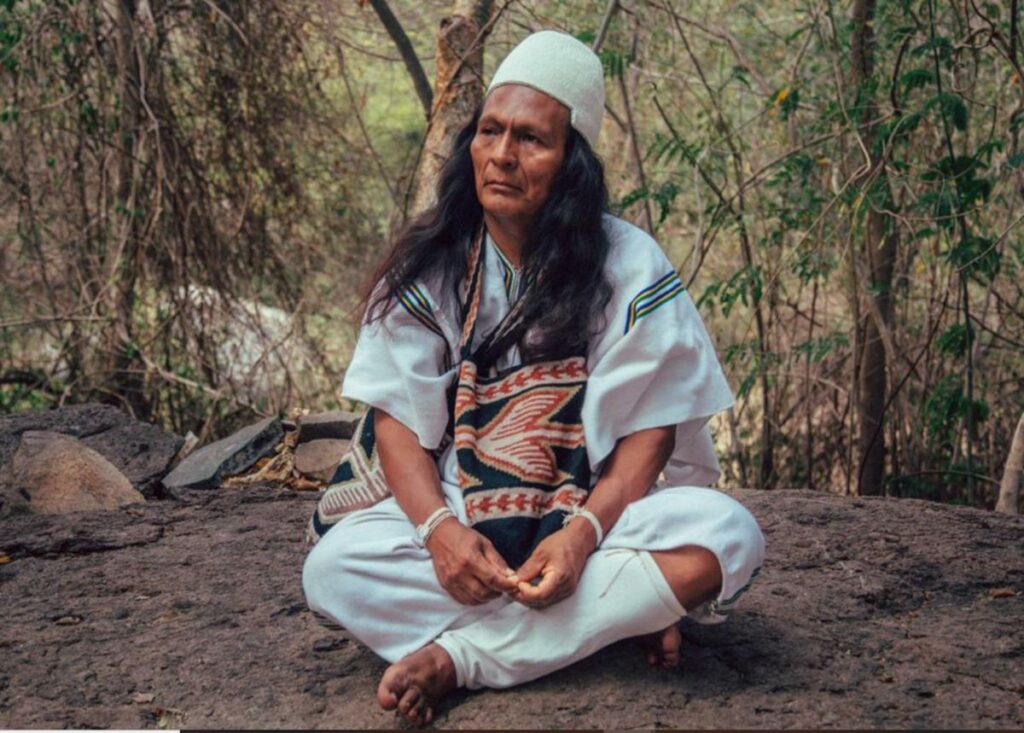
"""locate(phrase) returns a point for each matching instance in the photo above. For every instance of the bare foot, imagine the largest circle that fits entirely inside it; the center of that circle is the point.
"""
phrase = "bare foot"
(662, 647)
(414, 684)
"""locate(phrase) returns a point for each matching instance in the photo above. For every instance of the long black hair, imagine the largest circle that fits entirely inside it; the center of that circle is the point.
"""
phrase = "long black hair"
(563, 260)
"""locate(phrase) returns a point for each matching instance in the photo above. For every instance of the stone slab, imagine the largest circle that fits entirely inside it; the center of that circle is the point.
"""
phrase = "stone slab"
(334, 424)
(207, 466)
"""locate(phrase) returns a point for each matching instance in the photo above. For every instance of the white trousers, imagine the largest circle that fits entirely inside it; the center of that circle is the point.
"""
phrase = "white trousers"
(371, 574)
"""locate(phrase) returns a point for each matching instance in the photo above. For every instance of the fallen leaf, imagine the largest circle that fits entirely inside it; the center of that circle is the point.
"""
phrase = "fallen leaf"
(4, 559)
(300, 483)
(1002, 593)
(141, 698)
(68, 620)
(169, 718)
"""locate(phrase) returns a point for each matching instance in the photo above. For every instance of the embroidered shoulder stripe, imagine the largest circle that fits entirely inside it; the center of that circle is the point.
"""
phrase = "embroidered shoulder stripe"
(416, 303)
(653, 297)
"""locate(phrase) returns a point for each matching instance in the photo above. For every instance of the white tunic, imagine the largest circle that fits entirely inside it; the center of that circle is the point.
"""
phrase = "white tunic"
(653, 365)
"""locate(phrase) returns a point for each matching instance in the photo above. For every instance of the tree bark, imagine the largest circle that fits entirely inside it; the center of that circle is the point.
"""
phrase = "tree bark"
(1009, 487)
(879, 247)
(128, 372)
(458, 91)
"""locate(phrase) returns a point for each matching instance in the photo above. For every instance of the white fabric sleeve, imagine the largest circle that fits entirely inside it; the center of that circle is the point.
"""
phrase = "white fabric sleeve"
(398, 367)
(654, 364)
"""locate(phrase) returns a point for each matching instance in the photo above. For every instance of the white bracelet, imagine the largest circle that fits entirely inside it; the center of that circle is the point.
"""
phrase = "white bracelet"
(580, 511)
(433, 522)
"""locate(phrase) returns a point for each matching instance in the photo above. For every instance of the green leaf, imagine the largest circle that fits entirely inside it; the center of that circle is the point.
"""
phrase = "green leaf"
(666, 150)
(614, 62)
(916, 78)
(952, 108)
(985, 150)
(976, 256)
(954, 341)
(637, 194)
(817, 349)
(940, 45)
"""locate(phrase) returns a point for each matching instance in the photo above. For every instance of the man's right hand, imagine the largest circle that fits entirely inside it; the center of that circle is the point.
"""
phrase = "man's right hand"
(467, 565)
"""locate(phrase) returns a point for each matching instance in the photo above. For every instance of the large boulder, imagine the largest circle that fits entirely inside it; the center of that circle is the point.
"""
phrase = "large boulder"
(142, 452)
(206, 467)
(872, 613)
(53, 473)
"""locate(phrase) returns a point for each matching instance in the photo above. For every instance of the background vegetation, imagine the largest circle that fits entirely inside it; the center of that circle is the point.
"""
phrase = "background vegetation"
(191, 194)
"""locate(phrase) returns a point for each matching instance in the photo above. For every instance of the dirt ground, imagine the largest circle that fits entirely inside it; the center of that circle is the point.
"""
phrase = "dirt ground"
(868, 613)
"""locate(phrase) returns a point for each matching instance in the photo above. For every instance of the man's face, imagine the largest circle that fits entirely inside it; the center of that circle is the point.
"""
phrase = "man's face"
(518, 150)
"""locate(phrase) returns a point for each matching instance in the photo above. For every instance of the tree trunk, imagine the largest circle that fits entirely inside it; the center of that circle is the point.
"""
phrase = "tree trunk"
(879, 249)
(1009, 487)
(408, 53)
(458, 91)
(127, 371)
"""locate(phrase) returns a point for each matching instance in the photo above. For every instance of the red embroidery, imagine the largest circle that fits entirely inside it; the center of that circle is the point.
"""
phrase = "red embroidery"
(519, 438)
(502, 503)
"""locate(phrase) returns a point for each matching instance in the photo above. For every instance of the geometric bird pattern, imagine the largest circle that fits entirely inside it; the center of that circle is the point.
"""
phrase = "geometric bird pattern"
(519, 442)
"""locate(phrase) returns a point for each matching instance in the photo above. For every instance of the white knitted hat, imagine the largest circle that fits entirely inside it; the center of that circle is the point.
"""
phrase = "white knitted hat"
(561, 67)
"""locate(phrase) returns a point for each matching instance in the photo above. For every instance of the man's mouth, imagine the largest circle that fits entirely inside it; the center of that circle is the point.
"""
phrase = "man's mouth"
(501, 186)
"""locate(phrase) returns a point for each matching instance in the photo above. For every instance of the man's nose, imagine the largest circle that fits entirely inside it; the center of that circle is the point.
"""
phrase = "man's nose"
(505, 150)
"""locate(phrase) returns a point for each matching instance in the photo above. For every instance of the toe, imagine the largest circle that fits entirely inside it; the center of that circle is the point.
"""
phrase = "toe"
(408, 702)
(421, 712)
(386, 695)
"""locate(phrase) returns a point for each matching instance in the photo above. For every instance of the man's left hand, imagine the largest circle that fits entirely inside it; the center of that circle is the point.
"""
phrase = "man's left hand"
(558, 561)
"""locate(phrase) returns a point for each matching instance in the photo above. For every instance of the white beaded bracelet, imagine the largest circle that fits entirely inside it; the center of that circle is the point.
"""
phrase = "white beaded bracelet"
(433, 522)
(579, 511)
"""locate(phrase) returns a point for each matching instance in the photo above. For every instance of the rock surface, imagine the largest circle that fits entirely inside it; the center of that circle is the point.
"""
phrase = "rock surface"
(142, 452)
(53, 473)
(204, 468)
(319, 458)
(868, 613)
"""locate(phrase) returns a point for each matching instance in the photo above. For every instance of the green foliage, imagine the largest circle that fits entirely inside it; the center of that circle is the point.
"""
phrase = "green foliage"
(670, 151)
(744, 286)
(976, 257)
(818, 348)
(289, 176)
(785, 101)
(950, 107)
(954, 341)
(916, 79)
(939, 46)
(663, 195)
(946, 407)
(11, 31)
(615, 63)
